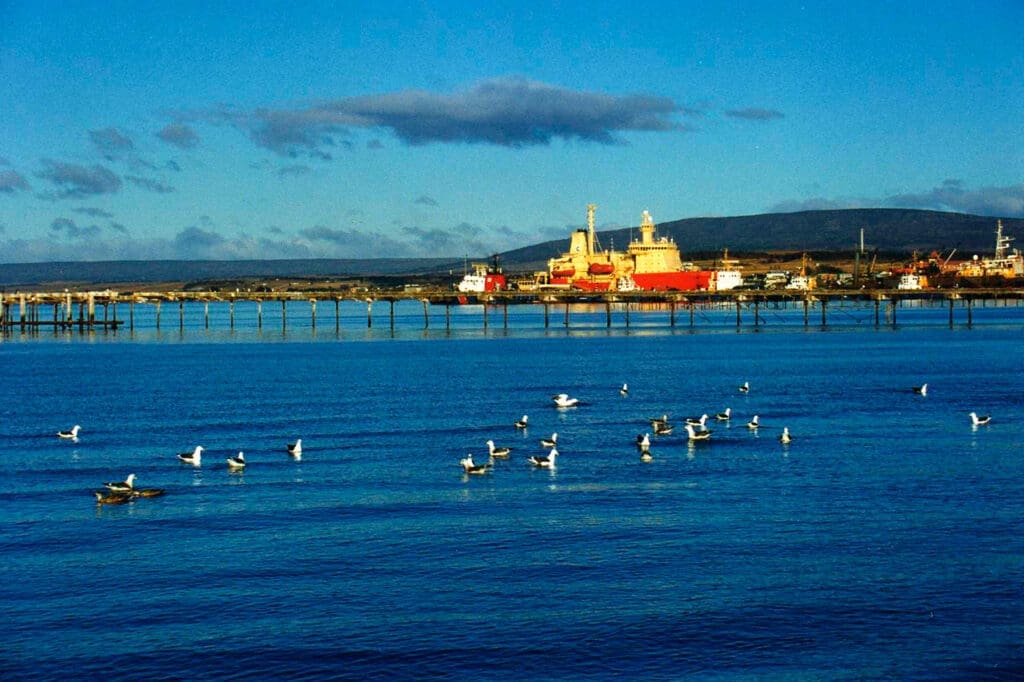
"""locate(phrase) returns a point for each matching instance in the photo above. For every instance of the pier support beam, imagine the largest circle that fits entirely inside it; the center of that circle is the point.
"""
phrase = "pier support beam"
(426, 313)
(757, 313)
(447, 316)
(738, 304)
(950, 313)
(259, 313)
(672, 314)
(627, 314)
(566, 314)
(391, 314)
(546, 315)
(337, 314)
(158, 314)
(504, 313)
(484, 304)
(608, 314)
(206, 314)
(181, 315)
(807, 305)
(312, 313)
(284, 313)
(892, 308)
(131, 315)
(369, 313)
(970, 316)
(878, 303)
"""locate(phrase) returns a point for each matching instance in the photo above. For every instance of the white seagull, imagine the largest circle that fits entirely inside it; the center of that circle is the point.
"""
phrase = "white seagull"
(624, 390)
(522, 423)
(663, 419)
(125, 486)
(697, 435)
(753, 423)
(194, 458)
(471, 467)
(549, 442)
(724, 416)
(236, 462)
(295, 449)
(697, 421)
(70, 435)
(662, 429)
(500, 453)
(921, 390)
(744, 388)
(785, 438)
(980, 421)
(547, 461)
(643, 442)
(563, 400)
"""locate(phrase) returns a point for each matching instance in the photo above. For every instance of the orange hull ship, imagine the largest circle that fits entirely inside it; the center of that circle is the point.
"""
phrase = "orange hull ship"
(650, 263)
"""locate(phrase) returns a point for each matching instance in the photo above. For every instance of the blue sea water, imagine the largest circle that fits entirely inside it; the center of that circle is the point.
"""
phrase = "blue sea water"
(885, 542)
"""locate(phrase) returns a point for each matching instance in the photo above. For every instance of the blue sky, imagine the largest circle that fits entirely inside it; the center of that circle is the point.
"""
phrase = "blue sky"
(225, 130)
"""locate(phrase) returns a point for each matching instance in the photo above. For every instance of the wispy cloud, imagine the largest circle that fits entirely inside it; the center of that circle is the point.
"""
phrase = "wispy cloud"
(179, 135)
(293, 171)
(151, 185)
(12, 181)
(111, 142)
(70, 230)
(77, 181)
(508, 112)
(93, 212)
(754, 114)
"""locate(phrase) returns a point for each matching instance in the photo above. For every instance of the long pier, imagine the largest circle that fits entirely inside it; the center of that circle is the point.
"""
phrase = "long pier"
(99, 310)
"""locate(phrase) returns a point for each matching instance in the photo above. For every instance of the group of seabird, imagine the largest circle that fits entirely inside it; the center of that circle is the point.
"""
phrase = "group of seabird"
(120, 492)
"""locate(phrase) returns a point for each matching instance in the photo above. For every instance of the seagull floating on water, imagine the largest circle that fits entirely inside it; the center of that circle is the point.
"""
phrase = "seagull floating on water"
(500, 453)
(662, 429)
(921, 390)
(624, 390)
(236, 462)
(643, 442)
(549, 442)
(784, 437)
(724, 416)
(522, 423)
(744, 388)
(697, 435)
(194, 458)
(295, 449)
(753, 423)
(563, 400)
(697, 421)
(126, 486)
(548, 461)
(471, 467)
(70, 435)
(663, 419)
(113, 497)
(980, 421)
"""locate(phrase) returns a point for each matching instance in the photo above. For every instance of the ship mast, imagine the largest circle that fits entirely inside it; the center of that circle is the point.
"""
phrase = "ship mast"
(646, 228)
(591, 236)
(1002, 243)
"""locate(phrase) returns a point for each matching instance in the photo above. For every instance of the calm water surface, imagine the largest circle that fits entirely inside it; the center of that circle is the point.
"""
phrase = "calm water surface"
(886, 541)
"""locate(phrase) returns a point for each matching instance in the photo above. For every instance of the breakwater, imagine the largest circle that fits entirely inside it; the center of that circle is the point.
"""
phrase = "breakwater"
(111, 310)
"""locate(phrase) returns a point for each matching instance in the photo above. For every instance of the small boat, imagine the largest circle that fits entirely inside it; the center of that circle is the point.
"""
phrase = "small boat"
(980, 421)
(237, 462)
(70, 435)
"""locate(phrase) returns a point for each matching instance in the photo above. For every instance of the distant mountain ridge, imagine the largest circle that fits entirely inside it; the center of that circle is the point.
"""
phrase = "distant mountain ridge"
(888, 230)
